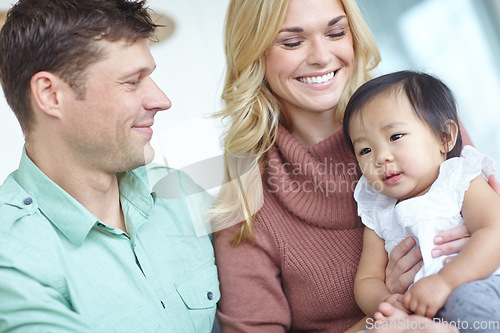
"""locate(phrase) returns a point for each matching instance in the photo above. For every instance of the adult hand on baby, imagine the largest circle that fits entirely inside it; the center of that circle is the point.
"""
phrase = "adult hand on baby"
(427, 295)
(450, 242)
(404, 263)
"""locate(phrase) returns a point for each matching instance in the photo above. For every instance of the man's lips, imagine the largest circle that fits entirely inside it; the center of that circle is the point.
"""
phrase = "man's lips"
(148, 123)
(392, 177)
(144, 128)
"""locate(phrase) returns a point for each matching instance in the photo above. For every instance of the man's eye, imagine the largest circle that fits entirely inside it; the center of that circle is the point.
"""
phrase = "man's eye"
(365, 151)
(396, 137)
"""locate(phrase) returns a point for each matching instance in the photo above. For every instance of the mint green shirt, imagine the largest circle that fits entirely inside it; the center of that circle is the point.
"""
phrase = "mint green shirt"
(62, 270)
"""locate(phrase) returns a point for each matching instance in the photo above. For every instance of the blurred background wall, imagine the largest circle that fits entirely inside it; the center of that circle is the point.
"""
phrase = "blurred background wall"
(456, 40)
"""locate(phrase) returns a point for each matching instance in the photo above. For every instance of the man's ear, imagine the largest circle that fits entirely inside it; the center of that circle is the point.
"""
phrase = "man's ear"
(449, 138)
(46, 93)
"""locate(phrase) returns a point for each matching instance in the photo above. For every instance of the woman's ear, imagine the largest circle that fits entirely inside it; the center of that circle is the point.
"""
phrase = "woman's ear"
(45, 93)
(449, 137)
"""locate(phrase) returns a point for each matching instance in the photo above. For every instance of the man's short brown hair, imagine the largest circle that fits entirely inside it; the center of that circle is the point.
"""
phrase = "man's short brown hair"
(59, 36)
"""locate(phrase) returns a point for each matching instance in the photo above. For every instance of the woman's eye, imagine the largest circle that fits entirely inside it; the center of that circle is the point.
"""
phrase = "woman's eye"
(336, 34)
(396, 137)
(291, 45)
(364, 151)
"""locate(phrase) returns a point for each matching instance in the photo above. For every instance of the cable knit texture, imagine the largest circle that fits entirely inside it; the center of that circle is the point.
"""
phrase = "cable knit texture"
(299, 275)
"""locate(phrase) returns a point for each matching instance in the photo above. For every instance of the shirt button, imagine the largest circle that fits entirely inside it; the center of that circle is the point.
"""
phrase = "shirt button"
(162, 304)
(210, 295)
(28, 201)
(101, 225)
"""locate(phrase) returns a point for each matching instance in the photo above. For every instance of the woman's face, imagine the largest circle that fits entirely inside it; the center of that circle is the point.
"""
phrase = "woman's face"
(311, 59)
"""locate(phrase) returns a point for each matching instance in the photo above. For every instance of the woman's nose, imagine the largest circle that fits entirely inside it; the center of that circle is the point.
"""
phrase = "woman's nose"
(319, 53)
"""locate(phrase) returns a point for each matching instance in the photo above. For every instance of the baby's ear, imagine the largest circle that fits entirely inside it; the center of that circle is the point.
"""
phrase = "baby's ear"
(449, 137)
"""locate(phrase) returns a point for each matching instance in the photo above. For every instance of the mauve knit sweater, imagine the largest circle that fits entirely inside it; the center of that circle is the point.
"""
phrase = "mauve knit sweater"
(299, 275)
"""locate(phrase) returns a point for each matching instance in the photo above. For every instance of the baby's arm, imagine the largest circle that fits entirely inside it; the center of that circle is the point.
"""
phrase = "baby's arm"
(495, 185)
(479, 258)
(369, 285)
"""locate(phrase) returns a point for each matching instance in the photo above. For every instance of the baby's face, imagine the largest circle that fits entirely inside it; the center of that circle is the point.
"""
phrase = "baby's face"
(398, 153)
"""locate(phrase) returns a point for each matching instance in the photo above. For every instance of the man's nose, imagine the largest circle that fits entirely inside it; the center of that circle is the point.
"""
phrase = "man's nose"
(156, 100)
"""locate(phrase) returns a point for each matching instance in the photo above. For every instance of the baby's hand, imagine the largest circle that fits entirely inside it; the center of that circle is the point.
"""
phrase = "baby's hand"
(396, 300)
(427, 295)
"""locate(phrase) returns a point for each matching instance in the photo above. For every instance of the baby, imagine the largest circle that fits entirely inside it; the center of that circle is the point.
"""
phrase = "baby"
(403, 129)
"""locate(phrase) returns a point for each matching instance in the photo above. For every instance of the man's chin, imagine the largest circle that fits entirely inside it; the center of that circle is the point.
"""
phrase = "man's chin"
(149, 154)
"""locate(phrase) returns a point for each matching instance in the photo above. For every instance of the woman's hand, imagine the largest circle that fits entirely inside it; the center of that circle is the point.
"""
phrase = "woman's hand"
(404, 263)
(450, 242)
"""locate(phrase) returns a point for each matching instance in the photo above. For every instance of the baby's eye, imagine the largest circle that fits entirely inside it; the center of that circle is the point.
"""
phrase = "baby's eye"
(365, 151)
(396, 137)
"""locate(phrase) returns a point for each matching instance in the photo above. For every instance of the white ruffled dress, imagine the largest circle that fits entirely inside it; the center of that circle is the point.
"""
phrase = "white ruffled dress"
(423, 217)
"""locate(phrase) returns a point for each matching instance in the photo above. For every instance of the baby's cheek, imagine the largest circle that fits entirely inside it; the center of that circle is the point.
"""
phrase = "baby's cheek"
(377, 185)
(369, 171)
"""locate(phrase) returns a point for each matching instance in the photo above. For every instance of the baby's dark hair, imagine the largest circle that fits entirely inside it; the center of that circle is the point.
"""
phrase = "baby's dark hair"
(431, 99)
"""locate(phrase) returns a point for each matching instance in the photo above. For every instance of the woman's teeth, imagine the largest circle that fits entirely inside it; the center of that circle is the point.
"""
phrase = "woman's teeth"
(317, 79)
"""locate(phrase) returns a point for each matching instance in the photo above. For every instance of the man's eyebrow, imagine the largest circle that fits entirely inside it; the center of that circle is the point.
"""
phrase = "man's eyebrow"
(139, 70)
(299, 29)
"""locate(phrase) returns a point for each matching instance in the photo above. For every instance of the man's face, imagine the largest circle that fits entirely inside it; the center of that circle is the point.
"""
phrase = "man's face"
(110, 128)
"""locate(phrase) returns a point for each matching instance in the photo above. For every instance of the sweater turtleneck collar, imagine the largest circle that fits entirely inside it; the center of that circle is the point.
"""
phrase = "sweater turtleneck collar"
(311, 182)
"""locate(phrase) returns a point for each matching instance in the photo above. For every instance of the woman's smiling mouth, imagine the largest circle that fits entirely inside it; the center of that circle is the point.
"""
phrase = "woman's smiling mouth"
(318, 79)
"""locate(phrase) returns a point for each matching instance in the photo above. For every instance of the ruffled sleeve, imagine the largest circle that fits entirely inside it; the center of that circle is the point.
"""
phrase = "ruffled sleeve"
(370, 203)
(471, 165)
(477, 163)
(364, 196)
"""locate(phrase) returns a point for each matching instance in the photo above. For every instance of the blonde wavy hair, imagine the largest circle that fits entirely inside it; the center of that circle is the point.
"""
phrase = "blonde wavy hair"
(252, 112)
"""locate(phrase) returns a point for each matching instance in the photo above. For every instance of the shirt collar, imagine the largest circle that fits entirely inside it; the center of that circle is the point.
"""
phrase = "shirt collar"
(66, 213)
(136, 196)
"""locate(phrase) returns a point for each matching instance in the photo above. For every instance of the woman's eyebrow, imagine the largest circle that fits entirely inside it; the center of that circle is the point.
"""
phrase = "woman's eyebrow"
(335, 20)
(292, 29)
(299, 29)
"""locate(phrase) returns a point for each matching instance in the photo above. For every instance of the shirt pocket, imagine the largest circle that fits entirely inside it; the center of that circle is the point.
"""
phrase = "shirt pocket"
(200, 293)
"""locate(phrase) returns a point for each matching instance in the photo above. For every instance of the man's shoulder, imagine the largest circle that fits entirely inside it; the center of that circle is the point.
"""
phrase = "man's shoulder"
(28, 244)
(15, 202)
(18, 213)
